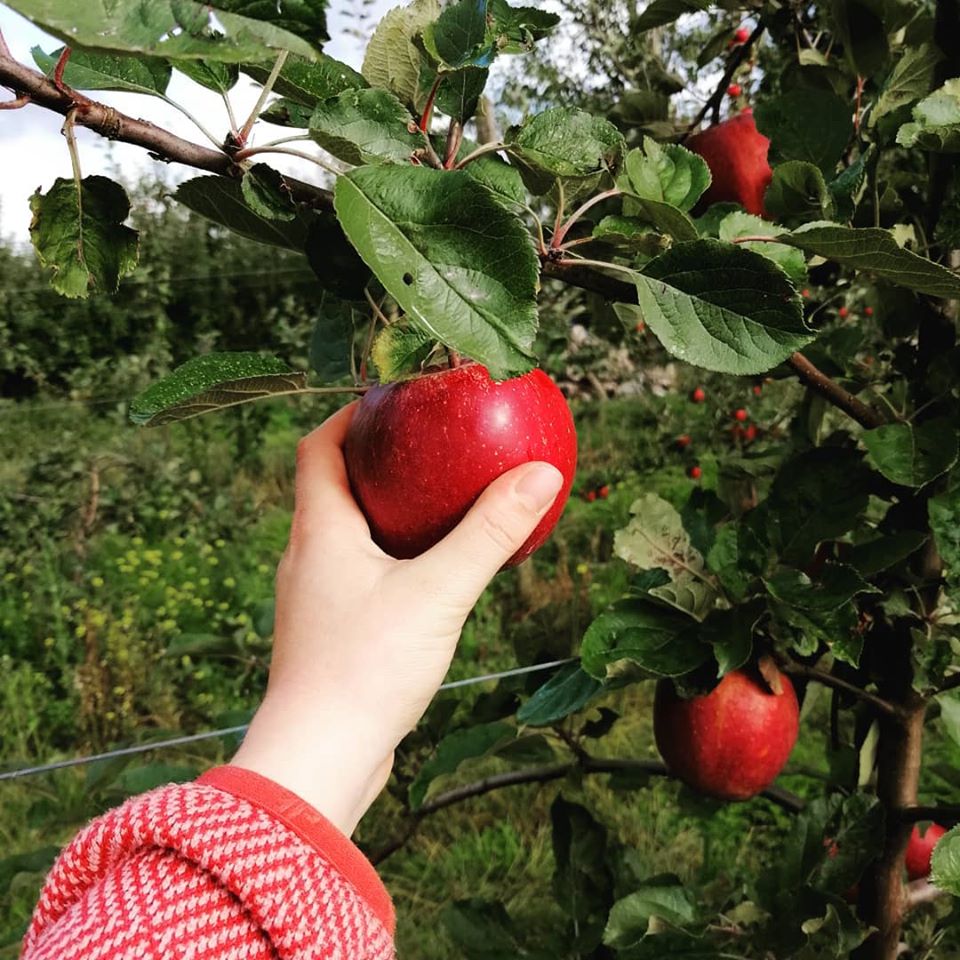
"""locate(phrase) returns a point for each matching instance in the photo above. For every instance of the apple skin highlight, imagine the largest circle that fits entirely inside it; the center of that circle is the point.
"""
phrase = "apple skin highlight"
(420, 452)
(731, 743)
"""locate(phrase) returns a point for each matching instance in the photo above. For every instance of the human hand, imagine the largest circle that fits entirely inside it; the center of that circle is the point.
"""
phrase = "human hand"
(363, 641)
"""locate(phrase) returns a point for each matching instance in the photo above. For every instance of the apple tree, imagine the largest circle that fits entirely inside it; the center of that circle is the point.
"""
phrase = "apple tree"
(832, 557)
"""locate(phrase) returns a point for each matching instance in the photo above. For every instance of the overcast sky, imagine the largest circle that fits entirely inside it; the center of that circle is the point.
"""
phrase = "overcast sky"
(33, 152)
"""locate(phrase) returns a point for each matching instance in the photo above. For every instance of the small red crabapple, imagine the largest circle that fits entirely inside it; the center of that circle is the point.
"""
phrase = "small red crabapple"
(742, 35)
(804, 293)
(843, 312)
(868, 311)
(757, 389)
(603, 492)
(734, 90)
(698, 395)
(591, 496)
(750, 434)
(740, 415)
(683, 441)
(694, 473)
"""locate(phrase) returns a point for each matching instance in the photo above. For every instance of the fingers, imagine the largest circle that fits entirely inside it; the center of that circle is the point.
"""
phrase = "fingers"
(322, 489)
(496, 527)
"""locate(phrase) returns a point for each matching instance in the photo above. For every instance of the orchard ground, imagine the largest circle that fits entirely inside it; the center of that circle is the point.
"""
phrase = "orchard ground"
(145, 611)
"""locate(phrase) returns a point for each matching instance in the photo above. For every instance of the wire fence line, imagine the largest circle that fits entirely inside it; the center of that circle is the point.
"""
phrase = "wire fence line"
(24, 772)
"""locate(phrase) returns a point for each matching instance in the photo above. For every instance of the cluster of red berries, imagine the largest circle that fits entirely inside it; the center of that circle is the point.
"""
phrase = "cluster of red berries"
(601, 493)
(742, 430)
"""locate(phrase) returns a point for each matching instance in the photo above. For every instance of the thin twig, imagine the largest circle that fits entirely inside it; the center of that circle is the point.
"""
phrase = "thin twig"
(831, 680)
(479, 152)
(739, 54)
(942, 813)
(560, 234)
(454, 139)
(822, 384)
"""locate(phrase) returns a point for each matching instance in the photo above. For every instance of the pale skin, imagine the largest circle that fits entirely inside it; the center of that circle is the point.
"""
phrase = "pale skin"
(363, 641)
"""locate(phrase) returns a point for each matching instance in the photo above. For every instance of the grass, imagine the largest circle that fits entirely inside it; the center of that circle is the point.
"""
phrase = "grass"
(135, 601)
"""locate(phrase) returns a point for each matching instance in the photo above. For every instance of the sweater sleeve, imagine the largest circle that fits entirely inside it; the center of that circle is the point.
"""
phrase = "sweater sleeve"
(231, 867)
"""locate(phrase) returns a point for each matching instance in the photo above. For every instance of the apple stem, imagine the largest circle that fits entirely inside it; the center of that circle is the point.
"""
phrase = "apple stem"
(454, 139)
(453, 359)
(376, 313)
(265, 92)
(560, 233)
(60, 67)
(479, 152)
(427, 114)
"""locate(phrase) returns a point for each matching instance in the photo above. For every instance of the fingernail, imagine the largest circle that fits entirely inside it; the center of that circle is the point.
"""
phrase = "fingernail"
(539, 486)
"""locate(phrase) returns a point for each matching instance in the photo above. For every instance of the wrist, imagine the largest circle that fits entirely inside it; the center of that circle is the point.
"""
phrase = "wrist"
(326, 757)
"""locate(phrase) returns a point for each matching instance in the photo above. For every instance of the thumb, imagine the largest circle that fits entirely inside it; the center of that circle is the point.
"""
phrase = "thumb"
(496, 526)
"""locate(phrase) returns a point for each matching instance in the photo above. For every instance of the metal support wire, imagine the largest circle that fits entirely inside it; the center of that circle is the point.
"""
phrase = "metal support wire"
(227, 731)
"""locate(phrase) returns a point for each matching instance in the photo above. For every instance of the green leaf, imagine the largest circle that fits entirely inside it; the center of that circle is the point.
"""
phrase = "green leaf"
(877, 555)
(666, 173)
(336, 264)
(400, 351)
(664, 899)
(655, 539)
(638, 639)
(500, 178)
(936, 121)
(945, 863)
(174, 29)
(103, 71)
(459, 92)
(658, 13)
(665, 218)
(837, 586)
(221, 200)
(304, 18)
(730, 633)
(366, 126)
(212, 382)
(33, 861)
(219, 77)
(910, 79)
(78, 232)
(517, 29)
(264, 191)
(308, 82)
(818, 495)
(950, 714)
(200, 645)
(807, 124)
(456, 747)
(567, 691)
(634, 234)
(331, 342)
(481, 929)
(150, 776)
(565, 143)
(855, 838)
(458, 37)
(722, 308)
(392, 60)
(913, 454)
(741, 224)
(287, 113)
(461, 266)
(945, 523)
(875, 251)
(799, 190)
(863, 27)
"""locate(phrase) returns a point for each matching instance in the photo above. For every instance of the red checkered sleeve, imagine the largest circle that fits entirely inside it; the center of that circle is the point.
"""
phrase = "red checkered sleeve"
(231, 867)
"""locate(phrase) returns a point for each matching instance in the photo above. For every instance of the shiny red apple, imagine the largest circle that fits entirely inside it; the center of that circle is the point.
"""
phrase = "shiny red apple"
(419, 452)
(920, 850)
(736, 153)
(732, 742)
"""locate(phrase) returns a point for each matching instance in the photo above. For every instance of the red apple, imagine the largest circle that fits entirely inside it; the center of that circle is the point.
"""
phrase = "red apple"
(844, 312)
(757, 389)
(683, 441)
(732, 742)
(698, 395)
(736, 153)
(741, 35)
(740, 414)
(868, 311)
(734, 90)
(604, 492)
(694, 472)
(419, 452)
(920, 850)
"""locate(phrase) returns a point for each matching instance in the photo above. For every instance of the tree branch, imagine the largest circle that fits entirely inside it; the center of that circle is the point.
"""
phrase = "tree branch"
(830, 680)
(942, 814)
(716, 98)
(557, 771)
(168, 147)
(110, 123)
(818, 381)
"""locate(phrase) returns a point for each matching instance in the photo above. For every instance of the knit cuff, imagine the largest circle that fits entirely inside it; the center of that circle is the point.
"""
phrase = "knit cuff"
(312, 827)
